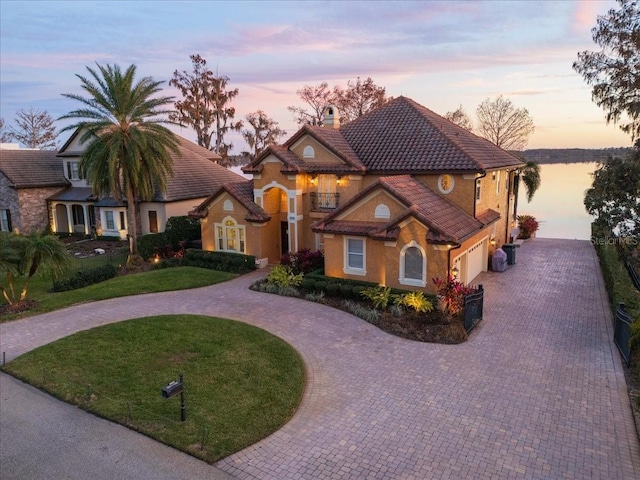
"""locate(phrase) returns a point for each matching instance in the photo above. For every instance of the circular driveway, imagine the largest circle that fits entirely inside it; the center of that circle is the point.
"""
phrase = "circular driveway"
(537, 392)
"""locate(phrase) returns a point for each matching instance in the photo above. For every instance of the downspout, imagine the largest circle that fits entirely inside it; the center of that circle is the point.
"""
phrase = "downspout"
(455, 247)
(507, 233)
(475, 189)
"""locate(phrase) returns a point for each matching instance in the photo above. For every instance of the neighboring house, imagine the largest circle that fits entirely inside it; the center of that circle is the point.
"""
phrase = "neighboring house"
(76, 210)
(27, 178)
(398, 196)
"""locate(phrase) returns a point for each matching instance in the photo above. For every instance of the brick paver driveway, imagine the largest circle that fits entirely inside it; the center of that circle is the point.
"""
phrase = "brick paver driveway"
(537, 392)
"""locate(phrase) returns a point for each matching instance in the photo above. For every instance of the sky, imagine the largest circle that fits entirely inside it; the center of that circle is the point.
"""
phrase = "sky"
(441, 54)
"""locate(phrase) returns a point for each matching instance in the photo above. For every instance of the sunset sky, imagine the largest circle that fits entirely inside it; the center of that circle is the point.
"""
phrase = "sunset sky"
(441, 54)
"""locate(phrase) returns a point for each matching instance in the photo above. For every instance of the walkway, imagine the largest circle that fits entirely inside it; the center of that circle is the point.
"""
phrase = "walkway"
(537, 392)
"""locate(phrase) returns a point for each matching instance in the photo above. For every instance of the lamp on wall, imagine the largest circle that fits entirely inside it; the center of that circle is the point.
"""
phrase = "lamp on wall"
(455, 272)
(339, 181)
(314, 179)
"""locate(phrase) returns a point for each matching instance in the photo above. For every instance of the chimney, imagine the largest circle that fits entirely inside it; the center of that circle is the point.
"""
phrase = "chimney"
(331, 117)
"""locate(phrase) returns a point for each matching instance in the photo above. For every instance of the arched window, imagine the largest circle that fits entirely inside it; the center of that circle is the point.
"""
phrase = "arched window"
(230, 237)
(382, 211)
(413, 265)
(227, 206)
(308, 152)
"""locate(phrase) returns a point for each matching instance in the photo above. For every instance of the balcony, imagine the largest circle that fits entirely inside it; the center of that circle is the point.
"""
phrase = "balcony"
(321, 202)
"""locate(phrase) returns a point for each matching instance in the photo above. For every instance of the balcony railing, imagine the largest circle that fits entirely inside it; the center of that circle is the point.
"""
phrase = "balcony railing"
(324, 201)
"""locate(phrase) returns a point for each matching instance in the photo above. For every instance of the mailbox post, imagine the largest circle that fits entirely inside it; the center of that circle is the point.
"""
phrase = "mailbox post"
(171, 390)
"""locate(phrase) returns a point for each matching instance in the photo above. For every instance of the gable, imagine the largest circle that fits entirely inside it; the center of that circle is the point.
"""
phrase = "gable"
(321, 156)
(364, 209)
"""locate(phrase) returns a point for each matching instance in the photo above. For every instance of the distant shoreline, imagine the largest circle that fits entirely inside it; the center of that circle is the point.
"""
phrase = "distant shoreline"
(571, 155)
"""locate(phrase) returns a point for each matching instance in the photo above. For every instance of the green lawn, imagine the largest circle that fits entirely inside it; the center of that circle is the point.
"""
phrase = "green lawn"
(163, 280)
(241, 383)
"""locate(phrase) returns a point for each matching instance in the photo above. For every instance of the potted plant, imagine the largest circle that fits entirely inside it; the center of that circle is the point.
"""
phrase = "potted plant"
(528, 226)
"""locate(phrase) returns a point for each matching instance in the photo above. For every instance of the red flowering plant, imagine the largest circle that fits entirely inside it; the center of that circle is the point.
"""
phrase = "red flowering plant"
(451, 295)
(528, 225)
(303, 261)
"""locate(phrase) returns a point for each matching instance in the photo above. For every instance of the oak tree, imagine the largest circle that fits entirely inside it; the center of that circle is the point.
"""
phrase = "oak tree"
(205, 105)
(264, 132)
(460, 118)
(316, 98)
(614, 70)
(500, 122)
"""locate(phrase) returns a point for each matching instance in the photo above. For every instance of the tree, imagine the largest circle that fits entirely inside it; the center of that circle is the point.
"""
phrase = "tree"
(25, 256)
(318, 98)
(34, 129)
(503, 124)
(128, 151)
(530, 175)
(5, 136)
(265, 131)
(460, 118)
(358, 98)
(206, 105)
(614, 194)
(614, 71)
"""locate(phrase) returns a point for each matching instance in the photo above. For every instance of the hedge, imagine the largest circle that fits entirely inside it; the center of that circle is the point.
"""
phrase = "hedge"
(85, 278)
(223, 261)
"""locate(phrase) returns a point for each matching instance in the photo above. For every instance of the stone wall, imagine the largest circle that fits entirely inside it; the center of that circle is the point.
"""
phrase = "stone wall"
(33, 208)
(9, 200)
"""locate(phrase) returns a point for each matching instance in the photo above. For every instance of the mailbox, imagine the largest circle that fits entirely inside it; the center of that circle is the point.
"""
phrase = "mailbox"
(172, 389)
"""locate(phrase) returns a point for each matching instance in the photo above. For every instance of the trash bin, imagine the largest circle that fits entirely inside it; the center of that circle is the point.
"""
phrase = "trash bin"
(510, 250)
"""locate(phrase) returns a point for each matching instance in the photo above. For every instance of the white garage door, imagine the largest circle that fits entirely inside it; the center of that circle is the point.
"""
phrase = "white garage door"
(476, 259)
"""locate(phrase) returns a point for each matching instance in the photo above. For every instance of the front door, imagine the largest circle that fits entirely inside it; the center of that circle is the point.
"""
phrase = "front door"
(284, 237)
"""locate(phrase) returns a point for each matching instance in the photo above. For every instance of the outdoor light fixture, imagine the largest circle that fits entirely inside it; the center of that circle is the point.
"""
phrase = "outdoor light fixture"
(313, 179)
(339, 182)
(455, 272)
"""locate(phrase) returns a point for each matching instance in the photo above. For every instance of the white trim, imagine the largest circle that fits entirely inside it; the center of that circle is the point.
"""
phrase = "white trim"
(240, 235)
(382, 211)
(355, 270)
(413, 281)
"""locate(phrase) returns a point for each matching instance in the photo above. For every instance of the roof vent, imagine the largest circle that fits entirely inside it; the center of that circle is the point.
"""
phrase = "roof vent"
(331, 117)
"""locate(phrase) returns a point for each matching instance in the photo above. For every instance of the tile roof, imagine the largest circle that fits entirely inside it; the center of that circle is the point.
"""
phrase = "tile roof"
(74, 194)
(242, 191)
(32, 168)
(402, 136)
(447, 223)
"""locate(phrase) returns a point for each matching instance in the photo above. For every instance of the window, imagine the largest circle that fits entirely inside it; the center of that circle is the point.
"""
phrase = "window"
(153, 221)
(78, 214)
(413, 265)
(327, 196)
(230, 237)
(355, 256)
(382, 211)
(477, 191)
(108, 216)
(227, 206)
(445, 183)
(73, 170)
(123, 222)
(308, 152)
(5, 220)
(497, 182)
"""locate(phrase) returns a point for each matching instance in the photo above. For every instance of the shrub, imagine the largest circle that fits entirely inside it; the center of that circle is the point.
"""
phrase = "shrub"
(182, 229)
(333, 289)
(370, 315)
(397, 310)
(321, 286)
(451, 293)
(152, 244)
(223, 261)
(303, 261)
(308, 284)
(283, 276)
(416, 301)
(528, 225)
(346, 290)
(379, 295)
(86, 277)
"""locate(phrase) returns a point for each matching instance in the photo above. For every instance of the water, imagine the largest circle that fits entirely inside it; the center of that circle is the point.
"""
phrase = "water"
(558, 204)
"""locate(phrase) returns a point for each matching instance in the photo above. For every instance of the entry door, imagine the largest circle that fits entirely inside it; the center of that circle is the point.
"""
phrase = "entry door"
(284, 237)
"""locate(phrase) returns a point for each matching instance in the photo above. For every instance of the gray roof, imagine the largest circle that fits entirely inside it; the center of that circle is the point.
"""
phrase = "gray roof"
(32, 168)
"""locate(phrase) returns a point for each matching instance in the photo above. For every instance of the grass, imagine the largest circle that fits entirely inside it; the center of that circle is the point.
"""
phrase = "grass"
(241, 382)
(162, 280)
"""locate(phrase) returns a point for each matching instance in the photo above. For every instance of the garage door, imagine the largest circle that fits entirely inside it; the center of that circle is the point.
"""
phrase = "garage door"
(476, 260)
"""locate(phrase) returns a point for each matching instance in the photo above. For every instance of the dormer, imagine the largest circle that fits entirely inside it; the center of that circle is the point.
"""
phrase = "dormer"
(331, 117)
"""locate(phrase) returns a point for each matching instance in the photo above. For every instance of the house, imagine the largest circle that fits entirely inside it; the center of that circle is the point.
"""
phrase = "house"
(27, 178)
(76, 210)
(398, 196)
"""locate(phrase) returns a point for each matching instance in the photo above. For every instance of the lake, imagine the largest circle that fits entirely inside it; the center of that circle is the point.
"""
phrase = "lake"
(558, 203)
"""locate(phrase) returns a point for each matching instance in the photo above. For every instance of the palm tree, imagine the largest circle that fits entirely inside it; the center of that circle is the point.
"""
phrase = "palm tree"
(25, 256)
(128, 152)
